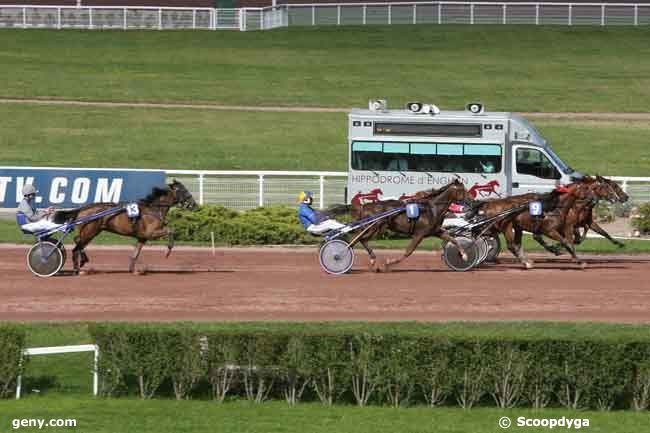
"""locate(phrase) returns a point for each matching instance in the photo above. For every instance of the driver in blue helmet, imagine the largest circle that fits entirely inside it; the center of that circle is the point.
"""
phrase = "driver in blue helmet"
(315, 222)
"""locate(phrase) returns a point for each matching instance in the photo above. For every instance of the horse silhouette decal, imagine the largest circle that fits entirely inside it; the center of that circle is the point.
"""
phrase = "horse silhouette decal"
(485, 190)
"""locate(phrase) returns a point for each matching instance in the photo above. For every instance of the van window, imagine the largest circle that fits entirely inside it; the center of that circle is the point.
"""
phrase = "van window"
(426, 157)
(534, 163)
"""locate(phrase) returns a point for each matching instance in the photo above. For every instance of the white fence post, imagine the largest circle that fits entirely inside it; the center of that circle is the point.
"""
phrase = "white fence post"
(636, 15)
(570, 13)
(194, 19)
(624, 186)
(261, 193)
(415, 14)
(159, 18)
(201, 178)
(321, 194)
(390, 18)
(125, 27)
(313, 15)
(90, 18)
(439, 13)
(24, 18)
(58, 18)
(363, 20)
(96, 372)
(338, 15)
(505, 13)
(602, 15)
(471, 13)
(537, 14)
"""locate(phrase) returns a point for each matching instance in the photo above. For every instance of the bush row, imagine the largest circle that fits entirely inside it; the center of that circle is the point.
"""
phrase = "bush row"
(363, 368)
(12, 344)
(271, 225)
(261, 226)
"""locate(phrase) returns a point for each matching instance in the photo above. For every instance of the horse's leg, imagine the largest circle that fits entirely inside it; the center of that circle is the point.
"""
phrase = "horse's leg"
(567, 242)
(135, 254)
(87, 233)
(445, 236)
(553, 249)
(409, 250)
(371, 253)
(598, 229)
(513, 240)
(170, 242)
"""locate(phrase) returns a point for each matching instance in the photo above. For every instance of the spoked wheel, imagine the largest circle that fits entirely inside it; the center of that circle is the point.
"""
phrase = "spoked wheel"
(336, 257)
(45, 259)
(494, 244)
(454, 260)
(483, 250)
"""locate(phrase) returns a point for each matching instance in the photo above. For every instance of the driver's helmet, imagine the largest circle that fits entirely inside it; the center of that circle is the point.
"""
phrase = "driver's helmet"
(29, 189)
(306, 197)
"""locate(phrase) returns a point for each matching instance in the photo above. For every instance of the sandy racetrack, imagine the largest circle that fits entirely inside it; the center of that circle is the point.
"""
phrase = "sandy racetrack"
(288, 284)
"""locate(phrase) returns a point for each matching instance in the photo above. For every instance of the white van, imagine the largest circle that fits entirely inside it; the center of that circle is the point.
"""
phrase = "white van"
(395, 153)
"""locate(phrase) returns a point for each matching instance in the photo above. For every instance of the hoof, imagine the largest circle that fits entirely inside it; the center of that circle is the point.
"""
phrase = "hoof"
(528, 265)
(169, 251)
(464, 257)
(583, 265)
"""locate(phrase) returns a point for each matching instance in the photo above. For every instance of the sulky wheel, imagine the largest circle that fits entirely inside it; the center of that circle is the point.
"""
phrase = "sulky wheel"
(483, 250)
(44, 259)
(494, 244)
(454, 260)
(336, 257)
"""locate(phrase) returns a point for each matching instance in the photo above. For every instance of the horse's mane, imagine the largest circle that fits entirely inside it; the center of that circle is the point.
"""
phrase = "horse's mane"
(154, 195)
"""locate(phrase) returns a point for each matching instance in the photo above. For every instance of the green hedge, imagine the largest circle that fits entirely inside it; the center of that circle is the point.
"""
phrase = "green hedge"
(12, 344)
(271, 225)
(642, 223)
(373, 366)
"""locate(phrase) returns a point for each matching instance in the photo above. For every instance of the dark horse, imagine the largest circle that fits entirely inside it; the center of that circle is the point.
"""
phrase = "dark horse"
(150, 225)
(433, 207)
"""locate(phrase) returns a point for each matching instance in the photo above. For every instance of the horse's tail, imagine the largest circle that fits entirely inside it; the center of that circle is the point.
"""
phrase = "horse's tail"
(338, 209)
(63, 216)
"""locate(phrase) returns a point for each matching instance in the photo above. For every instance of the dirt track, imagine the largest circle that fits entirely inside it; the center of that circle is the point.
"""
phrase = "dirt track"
(287, 284)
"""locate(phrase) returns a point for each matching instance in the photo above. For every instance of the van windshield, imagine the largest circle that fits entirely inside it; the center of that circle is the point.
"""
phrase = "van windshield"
(556, 159)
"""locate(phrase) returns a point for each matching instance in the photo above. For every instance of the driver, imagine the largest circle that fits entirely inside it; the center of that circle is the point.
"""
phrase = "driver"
(30, 219)
(315, 222)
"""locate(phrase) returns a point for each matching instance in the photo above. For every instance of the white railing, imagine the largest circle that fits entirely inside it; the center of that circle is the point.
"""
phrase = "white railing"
(599, 14)
(118, 17)
(164, 18)
(249, 189)
(56, 350)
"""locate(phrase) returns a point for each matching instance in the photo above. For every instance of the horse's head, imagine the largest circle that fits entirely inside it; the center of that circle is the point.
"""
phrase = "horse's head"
(458, 192)
(616, 190)
(182, 197)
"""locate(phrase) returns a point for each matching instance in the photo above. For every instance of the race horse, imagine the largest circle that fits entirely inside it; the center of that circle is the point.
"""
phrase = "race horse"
(433, 205)
(149, 225)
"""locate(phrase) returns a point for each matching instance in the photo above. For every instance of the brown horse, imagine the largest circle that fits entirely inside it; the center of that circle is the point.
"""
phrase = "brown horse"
(150, 224)
(586, 219)
(433, 207)
(559, 222)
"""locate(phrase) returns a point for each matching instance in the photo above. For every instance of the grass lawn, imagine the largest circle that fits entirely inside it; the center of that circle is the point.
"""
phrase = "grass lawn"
(519, 68)
(124, 416)
(216, 140)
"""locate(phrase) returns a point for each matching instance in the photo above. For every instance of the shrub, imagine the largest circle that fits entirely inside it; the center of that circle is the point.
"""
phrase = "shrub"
(365, 364)
(12, 345)
(642, 223)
